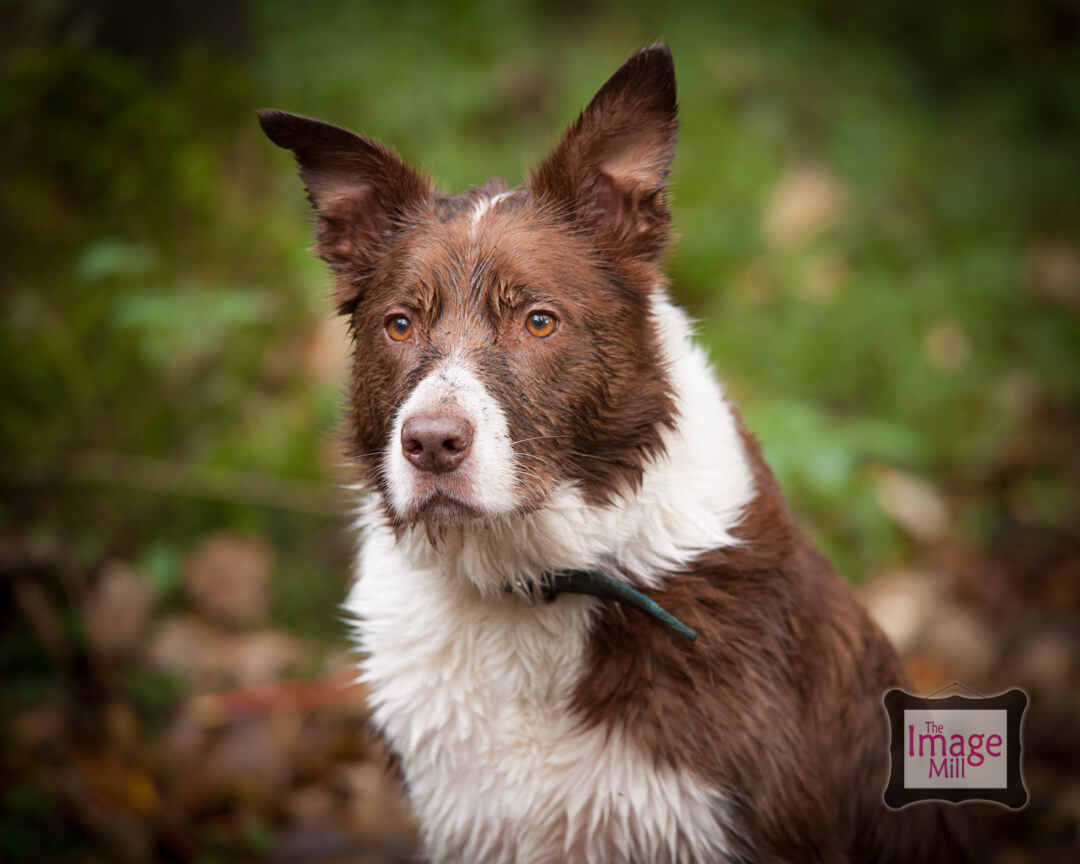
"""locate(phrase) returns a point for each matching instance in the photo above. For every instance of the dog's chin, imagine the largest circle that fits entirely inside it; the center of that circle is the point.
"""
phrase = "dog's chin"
(440, 507)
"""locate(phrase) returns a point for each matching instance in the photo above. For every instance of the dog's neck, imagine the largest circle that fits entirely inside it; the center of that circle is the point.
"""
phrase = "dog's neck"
(691, 498)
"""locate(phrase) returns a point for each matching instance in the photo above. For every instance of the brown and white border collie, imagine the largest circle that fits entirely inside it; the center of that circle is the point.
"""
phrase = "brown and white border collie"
(528, 401)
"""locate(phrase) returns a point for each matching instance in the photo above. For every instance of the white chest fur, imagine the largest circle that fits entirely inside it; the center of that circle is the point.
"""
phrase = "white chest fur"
(473, 692)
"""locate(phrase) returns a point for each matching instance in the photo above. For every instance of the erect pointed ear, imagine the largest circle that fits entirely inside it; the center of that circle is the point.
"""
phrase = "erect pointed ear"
(611, 166)
(360, 190)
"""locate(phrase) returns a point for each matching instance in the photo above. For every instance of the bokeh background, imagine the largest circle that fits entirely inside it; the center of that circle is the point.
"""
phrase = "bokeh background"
(879, 216)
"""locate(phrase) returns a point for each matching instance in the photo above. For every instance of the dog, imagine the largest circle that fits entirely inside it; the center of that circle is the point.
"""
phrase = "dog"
(592, 631)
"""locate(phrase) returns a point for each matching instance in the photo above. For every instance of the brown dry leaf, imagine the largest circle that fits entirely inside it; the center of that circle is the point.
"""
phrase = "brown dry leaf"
(95, 793)
(806, 200)
(186, 738)
(116, 611)
(1044, 660)
(947, 346)
(327, 350)
(903, 602)
(184, 645)
(964, 643)
(245, 763)
(1020, 392)
(112, 782)
(913, 503)
(227, 578)
(121, 726)
(1053, 272)
(927, 673)
(208, 658)
(260, 657)
(924, 619)
(311, 806)
(376, 807)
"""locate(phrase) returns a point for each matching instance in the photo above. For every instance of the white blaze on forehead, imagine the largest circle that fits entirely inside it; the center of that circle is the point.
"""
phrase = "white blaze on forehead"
(484, 205)
(488, 472)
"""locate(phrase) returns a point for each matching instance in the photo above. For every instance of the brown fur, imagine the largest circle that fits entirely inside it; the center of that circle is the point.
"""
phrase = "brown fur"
(778, 701)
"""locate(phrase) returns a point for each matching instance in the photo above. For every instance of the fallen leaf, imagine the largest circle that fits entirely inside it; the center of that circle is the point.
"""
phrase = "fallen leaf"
(116, 611)
(244, 764)
(311, 806)
(327, 349)
(227, 578)
(947, 346)
(806, 200)
(209, 658)
(1053, 272)
(913, 503)
(926, 673)
(903, 602)
(376, 807)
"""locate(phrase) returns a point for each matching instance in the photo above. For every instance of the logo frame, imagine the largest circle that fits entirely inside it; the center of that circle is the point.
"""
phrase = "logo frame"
(1013, 796)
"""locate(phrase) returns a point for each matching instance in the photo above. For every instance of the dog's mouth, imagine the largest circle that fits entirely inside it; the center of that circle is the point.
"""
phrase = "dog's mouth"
(441, 505)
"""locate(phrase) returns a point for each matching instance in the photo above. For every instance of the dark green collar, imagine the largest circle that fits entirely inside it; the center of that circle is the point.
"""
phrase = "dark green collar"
(600, 584)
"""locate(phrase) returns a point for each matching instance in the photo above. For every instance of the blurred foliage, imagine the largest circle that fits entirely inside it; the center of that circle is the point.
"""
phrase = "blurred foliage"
(159, 299)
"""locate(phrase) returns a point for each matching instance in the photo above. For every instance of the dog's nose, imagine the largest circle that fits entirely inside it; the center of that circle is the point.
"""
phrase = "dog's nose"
(436, 442)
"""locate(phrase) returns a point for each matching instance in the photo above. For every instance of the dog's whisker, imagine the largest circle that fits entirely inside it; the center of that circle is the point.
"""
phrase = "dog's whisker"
(547, 462)
(367, 455)
(539, 438)
(595, 458)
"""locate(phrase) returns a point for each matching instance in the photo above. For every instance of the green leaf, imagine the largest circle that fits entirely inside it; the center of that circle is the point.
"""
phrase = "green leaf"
(112, 258)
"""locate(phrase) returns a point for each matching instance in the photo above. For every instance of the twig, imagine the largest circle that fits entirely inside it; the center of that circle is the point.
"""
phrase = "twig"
(169, 477)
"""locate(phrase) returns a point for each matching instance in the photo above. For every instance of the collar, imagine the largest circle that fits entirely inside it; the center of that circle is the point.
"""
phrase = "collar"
(598, 584)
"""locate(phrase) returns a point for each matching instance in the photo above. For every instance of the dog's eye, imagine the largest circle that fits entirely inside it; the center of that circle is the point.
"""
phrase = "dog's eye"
(541, 324)
(398, 327)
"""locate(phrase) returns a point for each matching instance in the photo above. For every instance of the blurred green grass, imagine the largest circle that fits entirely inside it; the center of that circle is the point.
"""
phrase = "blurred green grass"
(160, 300)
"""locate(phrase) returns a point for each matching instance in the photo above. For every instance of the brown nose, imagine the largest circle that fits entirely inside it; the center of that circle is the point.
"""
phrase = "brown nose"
(436, 442)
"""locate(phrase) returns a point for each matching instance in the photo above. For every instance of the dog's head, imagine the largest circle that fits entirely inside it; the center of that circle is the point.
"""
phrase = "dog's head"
(504, 340)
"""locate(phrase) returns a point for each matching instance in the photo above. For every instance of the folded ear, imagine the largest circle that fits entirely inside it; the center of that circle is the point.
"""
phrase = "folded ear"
(610, 168)
(360, 190)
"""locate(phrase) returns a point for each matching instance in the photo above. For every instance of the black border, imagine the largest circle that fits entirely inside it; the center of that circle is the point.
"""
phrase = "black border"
(1014, 795)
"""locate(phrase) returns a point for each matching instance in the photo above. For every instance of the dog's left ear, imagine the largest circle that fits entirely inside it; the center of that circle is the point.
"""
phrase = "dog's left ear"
(611, 167)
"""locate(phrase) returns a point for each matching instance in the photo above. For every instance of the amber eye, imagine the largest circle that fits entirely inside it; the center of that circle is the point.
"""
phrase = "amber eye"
(398, 328)
(541, 324)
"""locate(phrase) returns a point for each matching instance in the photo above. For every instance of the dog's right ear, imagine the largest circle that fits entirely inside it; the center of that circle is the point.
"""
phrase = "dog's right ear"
(360, 190)
(610, 169)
